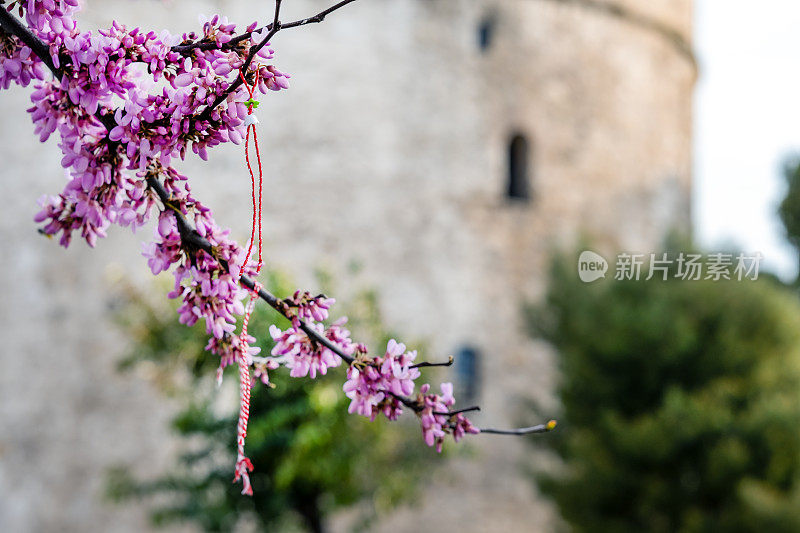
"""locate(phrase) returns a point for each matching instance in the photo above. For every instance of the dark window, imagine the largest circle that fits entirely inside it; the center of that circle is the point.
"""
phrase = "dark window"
(518, 163)
(468, 372)
(485, 32)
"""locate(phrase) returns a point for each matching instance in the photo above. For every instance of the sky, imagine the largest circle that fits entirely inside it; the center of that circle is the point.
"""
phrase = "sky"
(747, 121)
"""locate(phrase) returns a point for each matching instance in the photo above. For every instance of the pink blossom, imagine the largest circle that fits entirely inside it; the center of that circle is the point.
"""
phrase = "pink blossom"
(309, 307)
(306, 357)
(435, 420)
(374, 384)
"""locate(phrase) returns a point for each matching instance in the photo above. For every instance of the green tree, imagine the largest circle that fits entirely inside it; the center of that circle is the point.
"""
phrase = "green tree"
(789, 209)
(311, 456)
(681, 404)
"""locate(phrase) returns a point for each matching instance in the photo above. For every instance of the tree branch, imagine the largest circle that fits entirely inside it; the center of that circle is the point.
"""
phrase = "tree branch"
(190, 238)
(189, 235)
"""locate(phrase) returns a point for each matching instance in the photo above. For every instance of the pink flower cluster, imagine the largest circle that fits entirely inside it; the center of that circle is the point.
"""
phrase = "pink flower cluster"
(120, 123)
(18, 64)
(374, 384)
(48, 20)
(300, 353)
(309, 307)
(110, 81)
(435, 420)
(379, 385)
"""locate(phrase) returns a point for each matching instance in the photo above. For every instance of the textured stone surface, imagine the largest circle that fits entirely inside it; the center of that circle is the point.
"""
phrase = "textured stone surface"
(389, 152)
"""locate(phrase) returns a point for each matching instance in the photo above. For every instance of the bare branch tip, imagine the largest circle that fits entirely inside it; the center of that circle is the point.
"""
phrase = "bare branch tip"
(540, 428)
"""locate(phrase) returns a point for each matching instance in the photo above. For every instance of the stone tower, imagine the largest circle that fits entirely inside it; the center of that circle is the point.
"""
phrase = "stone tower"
(445, 146)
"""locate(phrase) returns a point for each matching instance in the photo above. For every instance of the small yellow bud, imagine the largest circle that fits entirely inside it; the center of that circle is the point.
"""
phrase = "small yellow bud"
(551, 425)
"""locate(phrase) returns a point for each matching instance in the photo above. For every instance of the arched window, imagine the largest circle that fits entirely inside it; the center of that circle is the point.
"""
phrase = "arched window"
(518, 165)
(468, 373)
(486, 32)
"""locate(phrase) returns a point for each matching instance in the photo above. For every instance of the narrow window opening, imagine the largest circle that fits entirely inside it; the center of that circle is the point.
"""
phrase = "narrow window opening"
(485, 32)
(518, 168)
(468, 373)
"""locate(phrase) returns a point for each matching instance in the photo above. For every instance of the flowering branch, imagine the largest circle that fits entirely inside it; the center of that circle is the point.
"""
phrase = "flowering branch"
(274, 28)
(119, 162)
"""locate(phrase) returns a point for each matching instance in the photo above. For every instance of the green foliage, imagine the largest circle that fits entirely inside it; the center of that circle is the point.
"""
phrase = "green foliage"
(789, 210)
(310, 455)
(681, 404)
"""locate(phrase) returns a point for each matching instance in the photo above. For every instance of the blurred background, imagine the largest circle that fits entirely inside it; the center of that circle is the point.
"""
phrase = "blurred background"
(435, 166)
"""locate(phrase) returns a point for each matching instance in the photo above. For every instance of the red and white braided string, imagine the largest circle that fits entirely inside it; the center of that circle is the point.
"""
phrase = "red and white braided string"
(243, 464)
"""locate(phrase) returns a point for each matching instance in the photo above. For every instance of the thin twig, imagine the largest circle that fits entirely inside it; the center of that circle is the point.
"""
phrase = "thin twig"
(464, 410)
(235, 41)
(408, 402)
(541, 428)
(319, 17)
(427, 364)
